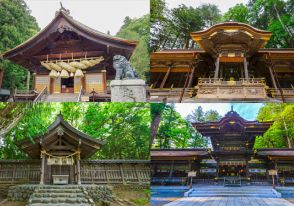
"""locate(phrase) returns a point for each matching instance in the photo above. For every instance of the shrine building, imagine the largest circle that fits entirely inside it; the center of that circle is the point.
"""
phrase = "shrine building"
(231, 64)
(69, 57)
(232, 159)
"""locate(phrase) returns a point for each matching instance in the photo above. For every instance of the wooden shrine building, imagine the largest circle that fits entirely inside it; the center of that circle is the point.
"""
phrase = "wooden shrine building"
(231, 63)
(64, 152)
(68, 56)
(231, 156)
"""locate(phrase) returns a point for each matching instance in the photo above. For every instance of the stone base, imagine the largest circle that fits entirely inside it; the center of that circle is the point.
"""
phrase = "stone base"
(132, 90)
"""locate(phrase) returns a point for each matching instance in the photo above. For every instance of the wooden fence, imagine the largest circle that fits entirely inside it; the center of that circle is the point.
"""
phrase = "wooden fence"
(109, 172)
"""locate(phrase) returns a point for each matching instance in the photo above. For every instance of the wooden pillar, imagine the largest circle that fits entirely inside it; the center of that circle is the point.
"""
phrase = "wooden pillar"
(138, 175)
(122, 174)
(71, 172)
(247, 169)
(165, 78)
(154, 170)
(217, 167)
(171, 169)
(221, 71)
(106, 174)
(78, 169)
(1, 77)
(92, 174)
(273, 78)
(189, 169)
(198, 172)
(216, 68)
(245, 68)
(267, 175)
(191, 78)
(42, 169)
(277, 176)
(28, 81)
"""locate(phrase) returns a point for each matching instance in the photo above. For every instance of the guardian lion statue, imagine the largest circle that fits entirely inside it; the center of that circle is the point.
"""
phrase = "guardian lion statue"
(122, 66)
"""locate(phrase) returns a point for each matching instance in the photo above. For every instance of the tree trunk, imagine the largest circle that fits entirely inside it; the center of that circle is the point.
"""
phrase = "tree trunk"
(154, 127)
(186, 45)
(28, 82)
(175, 42)
(284, 27)
(287, 133)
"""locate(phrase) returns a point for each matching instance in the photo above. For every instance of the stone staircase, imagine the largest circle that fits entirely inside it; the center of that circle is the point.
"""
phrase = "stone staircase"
(232, 192)
(64, 97)
(59, 195)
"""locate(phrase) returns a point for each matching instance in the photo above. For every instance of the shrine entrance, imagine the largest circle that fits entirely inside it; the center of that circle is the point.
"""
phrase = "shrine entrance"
(67, 85)
(61, 150)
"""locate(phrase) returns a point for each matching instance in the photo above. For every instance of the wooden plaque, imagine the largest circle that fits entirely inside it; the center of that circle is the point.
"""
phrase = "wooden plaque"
(191, 174)
(272, 172)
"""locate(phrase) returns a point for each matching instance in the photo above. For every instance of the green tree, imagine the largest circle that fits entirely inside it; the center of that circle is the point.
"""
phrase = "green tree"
(239, 13)
(138, 30)
(16, 26)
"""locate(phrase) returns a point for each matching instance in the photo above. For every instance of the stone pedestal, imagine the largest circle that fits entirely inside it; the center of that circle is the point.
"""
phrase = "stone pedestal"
(132, 90)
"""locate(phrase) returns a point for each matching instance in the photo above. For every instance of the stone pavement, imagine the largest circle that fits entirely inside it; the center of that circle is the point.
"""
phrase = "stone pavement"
(229, 201)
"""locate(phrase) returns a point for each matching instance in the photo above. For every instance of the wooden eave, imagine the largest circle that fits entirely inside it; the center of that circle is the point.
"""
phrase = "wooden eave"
(22, 54)
(177, 154)
(89, 145)
(204, 37)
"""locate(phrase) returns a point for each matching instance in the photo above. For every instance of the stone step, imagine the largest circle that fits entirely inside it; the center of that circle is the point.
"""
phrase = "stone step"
(40, 204)
(226, 189)
(77, 190)
(234, 195)
(56, 195)
(59, 200)
(62, 98)
(231, 192)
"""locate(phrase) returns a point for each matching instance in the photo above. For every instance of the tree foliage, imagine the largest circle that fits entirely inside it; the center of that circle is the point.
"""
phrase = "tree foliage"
(16, 26)
(126, 127)
(138, 30)
(177, 132)
(281, 133)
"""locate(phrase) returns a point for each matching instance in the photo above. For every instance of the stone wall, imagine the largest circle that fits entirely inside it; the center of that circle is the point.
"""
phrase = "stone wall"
(100, 193)
(287, 192)
(20, 193)
(132, 186)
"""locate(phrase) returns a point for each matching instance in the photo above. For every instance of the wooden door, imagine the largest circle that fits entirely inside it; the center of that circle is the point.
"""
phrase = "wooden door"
(95, 81)
(42, 81)
(78, 82)
(57, 85)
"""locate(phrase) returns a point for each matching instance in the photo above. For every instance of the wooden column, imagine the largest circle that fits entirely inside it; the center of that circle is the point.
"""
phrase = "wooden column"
(198, 172)
(1, 77)
(247, 169)
(122, 174)
(71, 172)
(92, 174)
(78, 169)
(154, 170)
(245, 67)
(267, 175)
(42, 169)
(216, 68)
(217, 167)
(221, 71)
(277, 176)
(165, 78)
(191, 78)
(273, 78)
(28, 81)
(171, 170)
(138, 175)
(106, 173)
(189, 169)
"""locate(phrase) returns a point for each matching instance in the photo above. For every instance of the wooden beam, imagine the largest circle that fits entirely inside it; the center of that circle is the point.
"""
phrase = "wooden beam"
(165, 78)
(60, 147)
(1, 77)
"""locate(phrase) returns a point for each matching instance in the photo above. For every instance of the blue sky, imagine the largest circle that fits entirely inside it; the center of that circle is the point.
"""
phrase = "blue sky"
(248, 111)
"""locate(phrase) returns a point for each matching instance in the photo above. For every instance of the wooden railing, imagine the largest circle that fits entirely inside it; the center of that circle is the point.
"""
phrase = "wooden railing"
(95, 173)
(210, 81)
(42, 93)
(252, 81)
(287, 92)
(80, 94)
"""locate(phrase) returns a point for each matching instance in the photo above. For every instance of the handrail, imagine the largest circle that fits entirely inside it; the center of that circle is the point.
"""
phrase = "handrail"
(80, 94)
(39, 97)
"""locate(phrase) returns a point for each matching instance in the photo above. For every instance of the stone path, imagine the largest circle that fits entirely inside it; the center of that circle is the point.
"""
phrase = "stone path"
(229, 201)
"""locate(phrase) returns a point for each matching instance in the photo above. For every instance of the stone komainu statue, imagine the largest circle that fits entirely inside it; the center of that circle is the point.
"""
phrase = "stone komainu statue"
(122, 66)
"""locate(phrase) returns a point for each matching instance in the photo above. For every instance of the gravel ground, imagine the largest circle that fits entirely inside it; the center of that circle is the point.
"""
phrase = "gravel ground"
(161, 198)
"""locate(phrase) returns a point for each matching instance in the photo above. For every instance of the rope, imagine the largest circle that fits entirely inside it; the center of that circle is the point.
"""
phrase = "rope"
(60, 157)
